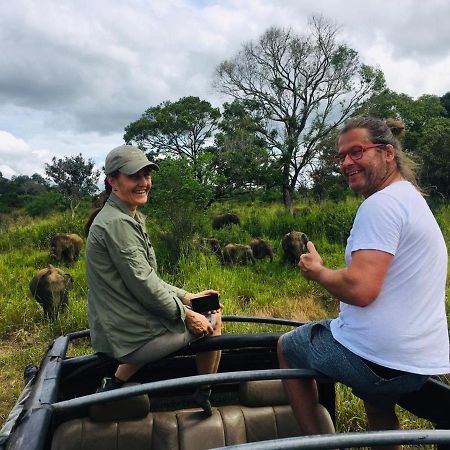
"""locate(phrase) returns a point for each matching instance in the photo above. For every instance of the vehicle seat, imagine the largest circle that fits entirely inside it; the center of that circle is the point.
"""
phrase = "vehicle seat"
(263, 413)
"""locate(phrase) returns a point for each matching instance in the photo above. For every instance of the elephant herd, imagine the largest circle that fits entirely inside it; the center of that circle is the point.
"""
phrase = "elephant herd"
(292, 243)
(50, 285)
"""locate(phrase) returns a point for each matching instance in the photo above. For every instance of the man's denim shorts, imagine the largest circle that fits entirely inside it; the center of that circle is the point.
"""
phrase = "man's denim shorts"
(312, 346)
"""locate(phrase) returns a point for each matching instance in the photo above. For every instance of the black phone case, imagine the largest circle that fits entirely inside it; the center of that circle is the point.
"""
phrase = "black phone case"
(206, 303)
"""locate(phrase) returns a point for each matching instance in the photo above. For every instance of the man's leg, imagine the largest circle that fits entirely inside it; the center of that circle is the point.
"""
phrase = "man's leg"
(382, 419)
(304, 399)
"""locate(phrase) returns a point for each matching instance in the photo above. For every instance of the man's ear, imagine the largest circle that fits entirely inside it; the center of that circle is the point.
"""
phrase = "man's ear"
(390, 152)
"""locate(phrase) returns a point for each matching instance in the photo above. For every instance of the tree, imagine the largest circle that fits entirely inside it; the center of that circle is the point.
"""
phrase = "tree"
(177, 203)
(180, 129)
(75, 178)
(24, 184)
(434, 150)
(240, 159)
(327, 180)
(305, 86)
(445, 101)
(414, 113)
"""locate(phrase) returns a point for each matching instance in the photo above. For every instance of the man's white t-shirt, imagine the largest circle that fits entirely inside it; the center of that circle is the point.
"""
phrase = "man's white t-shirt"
(405, 327)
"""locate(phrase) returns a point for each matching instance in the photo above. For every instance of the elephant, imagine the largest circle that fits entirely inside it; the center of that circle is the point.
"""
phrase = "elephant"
(302, 211)
(66, 248)
(237, 254)
(225, 219)
(50, 287)
(261, 249)
(211, 245)
(293, 245)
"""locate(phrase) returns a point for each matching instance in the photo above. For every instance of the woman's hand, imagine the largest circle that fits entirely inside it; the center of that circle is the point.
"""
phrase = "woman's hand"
(197, 323)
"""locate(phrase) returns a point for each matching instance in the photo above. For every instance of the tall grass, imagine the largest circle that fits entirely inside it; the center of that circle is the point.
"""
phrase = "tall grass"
(264, 289)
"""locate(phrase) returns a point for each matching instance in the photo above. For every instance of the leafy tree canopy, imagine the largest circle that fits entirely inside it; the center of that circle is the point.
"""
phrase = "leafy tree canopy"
(445, 101)
(304, 86)
(178, 129)
(75, 178)
(434, 150)
(414, 113)
(241, 159)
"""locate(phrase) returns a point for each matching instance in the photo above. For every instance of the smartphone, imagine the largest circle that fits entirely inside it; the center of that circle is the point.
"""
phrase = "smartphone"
(206, 303)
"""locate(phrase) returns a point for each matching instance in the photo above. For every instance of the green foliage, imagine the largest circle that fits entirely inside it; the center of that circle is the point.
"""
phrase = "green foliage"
(304, 85)
(442, 214)
(38, 236)
(414, 113)
(44, 203)
(265, 289)
(327, 180)
(445, 101)
(434, 150)
(75, 178)
(16, 192)
(175, 129)
(177, 204)
(240, 158)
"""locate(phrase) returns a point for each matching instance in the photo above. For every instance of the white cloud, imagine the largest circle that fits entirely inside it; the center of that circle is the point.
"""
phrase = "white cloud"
(74, 74)
(18, 157)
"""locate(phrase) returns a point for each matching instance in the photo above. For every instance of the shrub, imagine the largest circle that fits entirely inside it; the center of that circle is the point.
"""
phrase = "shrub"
(177, 204)
(44, 203)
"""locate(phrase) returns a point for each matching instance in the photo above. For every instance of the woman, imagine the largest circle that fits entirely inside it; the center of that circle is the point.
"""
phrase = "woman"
(134, 316)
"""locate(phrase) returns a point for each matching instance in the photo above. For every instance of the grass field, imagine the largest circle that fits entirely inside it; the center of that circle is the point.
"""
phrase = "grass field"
(265, 289)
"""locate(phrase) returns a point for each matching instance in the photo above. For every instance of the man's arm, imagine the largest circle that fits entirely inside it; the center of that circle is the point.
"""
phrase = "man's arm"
(359, 284)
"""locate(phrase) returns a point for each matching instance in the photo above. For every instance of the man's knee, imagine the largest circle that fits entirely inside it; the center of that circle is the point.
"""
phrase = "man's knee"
(381, 418)
(281, 359)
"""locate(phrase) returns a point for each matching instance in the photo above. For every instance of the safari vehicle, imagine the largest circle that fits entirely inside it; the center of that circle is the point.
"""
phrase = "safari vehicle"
(59, 408)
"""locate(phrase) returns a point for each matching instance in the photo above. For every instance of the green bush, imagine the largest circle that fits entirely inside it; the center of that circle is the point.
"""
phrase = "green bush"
(177, 203)
(44, 203)
(38, 235)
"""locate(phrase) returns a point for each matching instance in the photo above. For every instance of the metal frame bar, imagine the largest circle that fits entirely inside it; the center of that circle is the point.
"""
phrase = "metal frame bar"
(349, 440)
(193, 381)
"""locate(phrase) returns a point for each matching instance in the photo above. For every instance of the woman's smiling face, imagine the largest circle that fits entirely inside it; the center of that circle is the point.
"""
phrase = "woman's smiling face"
(132, 189)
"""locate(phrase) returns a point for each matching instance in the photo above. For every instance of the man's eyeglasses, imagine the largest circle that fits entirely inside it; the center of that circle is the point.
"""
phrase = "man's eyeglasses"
(355, 153)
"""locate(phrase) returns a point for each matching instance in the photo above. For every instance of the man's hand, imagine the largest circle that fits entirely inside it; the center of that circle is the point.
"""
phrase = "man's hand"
(359, 284)
(197, 323)
(311, 263)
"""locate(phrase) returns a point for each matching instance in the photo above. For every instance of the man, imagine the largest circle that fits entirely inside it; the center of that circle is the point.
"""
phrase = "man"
(391, 333)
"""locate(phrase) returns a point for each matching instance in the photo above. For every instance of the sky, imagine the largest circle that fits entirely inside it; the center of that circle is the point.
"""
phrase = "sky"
(74, 73)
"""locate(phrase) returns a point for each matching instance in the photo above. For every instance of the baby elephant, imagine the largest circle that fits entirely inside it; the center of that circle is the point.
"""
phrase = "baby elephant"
(293, 246)
(223, 220)
(237, 254)
(211, 245)
(50, 288)
(261, 249)
(66, 248)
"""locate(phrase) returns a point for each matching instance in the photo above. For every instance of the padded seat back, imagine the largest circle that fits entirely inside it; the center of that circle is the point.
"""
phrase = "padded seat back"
(189, 429)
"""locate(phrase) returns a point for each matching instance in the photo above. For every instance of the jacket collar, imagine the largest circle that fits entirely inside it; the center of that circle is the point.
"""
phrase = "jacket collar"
(116, 202)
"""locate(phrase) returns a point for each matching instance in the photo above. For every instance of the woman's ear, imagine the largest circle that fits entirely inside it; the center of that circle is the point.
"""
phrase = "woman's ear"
(111, 180)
